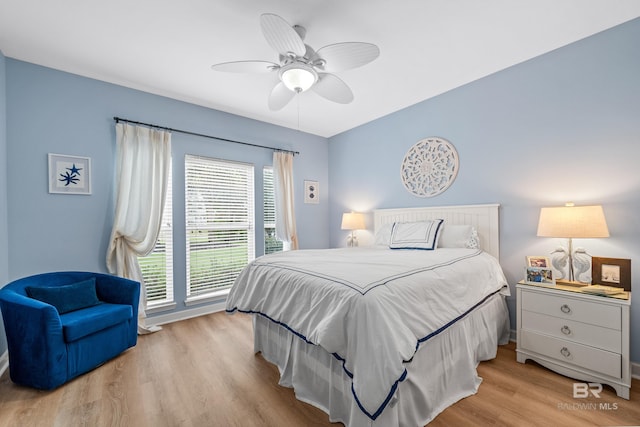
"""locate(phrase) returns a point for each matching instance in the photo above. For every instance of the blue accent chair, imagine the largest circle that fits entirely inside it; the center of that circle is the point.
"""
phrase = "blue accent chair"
(47, 348)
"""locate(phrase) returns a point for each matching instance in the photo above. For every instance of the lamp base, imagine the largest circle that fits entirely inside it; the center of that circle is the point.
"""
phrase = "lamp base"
(352, 240)
(570, 283)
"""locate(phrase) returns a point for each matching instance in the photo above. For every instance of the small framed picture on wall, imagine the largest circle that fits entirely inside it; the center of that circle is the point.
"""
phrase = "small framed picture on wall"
(69, 174)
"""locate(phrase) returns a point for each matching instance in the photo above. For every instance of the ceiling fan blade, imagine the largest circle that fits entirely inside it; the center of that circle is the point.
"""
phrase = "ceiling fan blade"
(281, 36)
(246, 67)
(279, 97)
(345, 56)
(332, 88)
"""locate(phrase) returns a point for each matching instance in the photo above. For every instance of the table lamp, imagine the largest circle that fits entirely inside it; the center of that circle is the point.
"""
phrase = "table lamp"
(572, 222)
(352, 221)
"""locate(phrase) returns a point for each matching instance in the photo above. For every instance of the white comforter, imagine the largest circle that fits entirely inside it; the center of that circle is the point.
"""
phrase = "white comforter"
(371, 307)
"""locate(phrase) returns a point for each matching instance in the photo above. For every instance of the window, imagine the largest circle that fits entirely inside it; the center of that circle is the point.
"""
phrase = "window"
(220, 228)
(271, 242)
(157, 267)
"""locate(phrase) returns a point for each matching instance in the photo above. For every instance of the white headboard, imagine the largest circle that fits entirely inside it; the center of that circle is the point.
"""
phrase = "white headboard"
(483, 217)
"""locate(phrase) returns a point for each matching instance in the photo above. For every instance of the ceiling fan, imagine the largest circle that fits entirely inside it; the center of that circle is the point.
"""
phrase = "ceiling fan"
(300, 67)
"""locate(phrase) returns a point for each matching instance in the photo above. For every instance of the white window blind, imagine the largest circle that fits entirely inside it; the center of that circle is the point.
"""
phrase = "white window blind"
(220, 228)
(271, 242)
(157, 267)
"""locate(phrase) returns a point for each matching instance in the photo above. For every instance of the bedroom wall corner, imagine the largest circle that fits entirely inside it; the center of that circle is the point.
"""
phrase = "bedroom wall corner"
(559, 127)
(4, 227)
(52, 111)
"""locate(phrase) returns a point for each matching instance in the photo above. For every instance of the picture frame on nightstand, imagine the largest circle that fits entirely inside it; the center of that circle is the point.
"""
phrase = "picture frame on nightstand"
(538, 261)
(614, 272)
(539, 275)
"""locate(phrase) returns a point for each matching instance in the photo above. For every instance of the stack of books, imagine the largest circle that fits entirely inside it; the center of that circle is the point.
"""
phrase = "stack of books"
(602, 290)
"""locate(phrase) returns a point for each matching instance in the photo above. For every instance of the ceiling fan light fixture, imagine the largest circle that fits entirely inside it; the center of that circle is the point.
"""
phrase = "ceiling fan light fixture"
(298, 77)
(300, 67)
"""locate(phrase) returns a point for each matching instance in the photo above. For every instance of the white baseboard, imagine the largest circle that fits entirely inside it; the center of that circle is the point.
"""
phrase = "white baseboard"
(214, 308)
(155, 320)
(4, 362)
(163, 319)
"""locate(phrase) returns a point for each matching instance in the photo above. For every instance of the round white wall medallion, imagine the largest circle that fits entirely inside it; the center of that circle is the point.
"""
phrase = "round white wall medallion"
(429, 167)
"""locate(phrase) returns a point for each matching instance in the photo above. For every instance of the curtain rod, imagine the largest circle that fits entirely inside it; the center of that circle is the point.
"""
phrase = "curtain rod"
(119, 119)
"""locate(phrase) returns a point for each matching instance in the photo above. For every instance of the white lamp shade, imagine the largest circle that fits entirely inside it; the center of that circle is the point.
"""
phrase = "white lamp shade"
(572, 222)
(353, 221)
(298, 77)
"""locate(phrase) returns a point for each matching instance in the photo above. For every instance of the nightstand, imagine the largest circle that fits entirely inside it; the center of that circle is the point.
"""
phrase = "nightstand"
(581, 336)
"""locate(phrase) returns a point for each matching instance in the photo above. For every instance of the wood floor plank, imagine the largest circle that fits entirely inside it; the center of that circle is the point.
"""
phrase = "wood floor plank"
(202, 372)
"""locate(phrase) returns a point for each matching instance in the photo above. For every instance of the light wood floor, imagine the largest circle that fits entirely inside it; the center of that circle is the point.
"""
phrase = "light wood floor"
(202, 372)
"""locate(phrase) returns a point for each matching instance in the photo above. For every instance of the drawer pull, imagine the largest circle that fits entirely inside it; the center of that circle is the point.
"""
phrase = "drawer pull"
(565, 309)
(565, 330)
(565, 352)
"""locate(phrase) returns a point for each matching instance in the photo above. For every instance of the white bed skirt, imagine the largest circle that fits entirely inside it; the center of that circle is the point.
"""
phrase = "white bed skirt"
(442, 372)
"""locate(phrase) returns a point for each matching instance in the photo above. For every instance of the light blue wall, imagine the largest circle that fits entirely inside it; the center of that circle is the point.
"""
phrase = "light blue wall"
(4, 237)
(50, 111)
(561, 127)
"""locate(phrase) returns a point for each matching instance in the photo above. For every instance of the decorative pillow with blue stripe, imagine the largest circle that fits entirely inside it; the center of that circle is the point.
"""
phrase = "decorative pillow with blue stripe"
(416, 235)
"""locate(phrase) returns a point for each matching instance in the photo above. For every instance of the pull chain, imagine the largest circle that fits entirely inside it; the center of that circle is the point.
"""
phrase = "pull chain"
(298, 104)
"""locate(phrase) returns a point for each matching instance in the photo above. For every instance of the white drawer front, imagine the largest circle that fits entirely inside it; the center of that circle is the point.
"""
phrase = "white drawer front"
(607, 316)
(583, 356)
(565, 329)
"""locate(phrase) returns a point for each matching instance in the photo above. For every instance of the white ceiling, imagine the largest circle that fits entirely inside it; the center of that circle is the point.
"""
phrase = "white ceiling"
(167, 47)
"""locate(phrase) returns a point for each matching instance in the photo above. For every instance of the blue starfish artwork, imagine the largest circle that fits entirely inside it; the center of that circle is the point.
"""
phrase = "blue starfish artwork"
(74, 170)
(72, 176)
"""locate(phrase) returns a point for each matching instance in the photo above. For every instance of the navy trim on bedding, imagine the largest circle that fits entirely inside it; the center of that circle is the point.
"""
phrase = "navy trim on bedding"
(343, 360)
(370, 286)
(277, 322)
(427, 242)
(438, 331)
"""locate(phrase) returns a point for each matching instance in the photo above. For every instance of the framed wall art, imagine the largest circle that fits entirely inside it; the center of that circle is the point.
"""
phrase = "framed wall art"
(429, 167)
(69, 174)
(614, 272)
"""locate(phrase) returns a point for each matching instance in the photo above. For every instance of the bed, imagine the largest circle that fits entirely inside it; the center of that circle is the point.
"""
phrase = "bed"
(376, 336)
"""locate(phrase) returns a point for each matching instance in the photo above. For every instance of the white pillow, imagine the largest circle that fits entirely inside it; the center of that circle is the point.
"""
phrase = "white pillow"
(416, 235)
(383, 235)
(459, 236)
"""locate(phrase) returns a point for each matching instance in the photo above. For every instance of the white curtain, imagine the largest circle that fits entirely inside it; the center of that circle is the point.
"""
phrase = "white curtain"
(142, 169)
(283, 187)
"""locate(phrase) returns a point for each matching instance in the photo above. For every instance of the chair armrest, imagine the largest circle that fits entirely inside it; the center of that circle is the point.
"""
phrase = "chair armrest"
(34, 340)
(117, 290)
